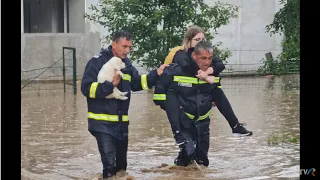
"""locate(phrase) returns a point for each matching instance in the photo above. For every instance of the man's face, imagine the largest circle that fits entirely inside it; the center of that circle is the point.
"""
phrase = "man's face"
(121, 48)
(203, 59)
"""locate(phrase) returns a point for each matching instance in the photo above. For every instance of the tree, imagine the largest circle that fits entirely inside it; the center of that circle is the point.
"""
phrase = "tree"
(159, 25)
(287, 22)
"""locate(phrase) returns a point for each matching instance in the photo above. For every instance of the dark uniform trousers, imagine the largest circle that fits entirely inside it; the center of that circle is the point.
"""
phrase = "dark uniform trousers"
(199, 133)
(184, 129)
(113, 152)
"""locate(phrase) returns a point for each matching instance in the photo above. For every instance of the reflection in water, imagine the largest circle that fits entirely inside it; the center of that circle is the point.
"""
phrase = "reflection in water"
(271, 83)
(55, 142)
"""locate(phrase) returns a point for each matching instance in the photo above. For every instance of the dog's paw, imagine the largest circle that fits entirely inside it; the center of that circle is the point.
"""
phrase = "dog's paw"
(124, 93)
(110, 96)
(122, 97)
(120, 73)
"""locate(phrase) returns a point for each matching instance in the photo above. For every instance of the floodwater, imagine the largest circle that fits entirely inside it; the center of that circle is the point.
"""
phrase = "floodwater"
(55, 143)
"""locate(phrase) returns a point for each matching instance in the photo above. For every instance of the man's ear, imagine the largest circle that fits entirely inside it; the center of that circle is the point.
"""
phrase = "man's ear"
(113, 44)
(193, 55)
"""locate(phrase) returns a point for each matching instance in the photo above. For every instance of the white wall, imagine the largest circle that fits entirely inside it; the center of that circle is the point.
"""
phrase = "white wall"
(246, 36)
(92, 27)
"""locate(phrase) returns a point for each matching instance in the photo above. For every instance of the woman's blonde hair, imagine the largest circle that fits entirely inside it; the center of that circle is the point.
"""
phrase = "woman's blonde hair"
(190, 33)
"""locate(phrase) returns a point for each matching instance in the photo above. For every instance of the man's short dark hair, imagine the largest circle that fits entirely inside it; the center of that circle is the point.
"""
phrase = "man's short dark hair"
(121, 34)
(204, 45)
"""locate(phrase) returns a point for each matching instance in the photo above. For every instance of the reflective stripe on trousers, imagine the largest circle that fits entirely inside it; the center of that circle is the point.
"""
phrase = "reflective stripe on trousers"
(107, 117)
(205, 116)
(159, 97)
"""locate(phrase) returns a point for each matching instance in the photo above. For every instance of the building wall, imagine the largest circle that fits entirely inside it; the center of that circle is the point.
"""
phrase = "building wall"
(43, 50)
(39, 50)
(246, 35)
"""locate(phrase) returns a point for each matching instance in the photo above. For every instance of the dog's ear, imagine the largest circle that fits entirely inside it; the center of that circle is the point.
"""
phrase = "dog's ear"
(119, 61)
(113, 61)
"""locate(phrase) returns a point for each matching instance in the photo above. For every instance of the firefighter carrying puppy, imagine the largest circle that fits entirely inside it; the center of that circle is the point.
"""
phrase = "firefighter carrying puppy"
(108, 118)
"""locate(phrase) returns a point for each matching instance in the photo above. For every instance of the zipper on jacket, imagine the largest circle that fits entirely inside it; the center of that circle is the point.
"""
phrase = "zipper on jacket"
(198, 103)
(119, 102)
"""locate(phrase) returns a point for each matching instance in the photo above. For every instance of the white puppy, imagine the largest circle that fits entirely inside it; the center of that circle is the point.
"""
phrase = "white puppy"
(108, 70)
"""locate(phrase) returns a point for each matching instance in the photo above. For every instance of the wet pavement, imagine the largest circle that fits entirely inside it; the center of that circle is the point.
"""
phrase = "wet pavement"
(55, 143)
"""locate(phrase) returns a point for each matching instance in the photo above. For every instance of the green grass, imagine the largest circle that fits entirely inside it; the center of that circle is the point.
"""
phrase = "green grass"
(277, 138)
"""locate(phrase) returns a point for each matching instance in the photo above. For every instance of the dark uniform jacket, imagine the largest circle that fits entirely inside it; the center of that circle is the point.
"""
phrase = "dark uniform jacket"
(189, 65)
(195, 95)
(111, 115)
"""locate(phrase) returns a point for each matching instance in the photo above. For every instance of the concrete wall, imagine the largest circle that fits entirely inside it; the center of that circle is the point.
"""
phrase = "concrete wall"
(43, 50)
(246, 36)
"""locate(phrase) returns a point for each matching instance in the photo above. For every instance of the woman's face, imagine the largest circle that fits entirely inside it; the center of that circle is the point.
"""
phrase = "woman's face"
(196, 39)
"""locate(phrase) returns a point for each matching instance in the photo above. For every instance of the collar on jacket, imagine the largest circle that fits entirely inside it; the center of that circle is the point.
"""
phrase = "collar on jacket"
(193, 67)
(190, 50)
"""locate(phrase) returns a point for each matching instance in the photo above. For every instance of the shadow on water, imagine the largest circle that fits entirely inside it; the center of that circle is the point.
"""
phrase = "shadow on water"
(55, 143)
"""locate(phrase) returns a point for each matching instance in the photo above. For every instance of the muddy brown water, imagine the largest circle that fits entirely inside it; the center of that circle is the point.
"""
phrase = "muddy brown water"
(55, 143)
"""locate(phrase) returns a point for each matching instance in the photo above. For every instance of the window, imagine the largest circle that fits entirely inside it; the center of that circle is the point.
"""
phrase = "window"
(43, 16)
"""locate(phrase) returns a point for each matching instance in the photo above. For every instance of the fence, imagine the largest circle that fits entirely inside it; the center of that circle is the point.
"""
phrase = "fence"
(268, 74)
(61, 76)
(58, 77)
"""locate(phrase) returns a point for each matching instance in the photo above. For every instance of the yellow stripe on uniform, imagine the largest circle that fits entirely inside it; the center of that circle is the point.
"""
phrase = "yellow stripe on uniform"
(103, 117)
(216, 80)
(126, 77)
(93, 89)
(144, 82)
(189, 115)
(107, 117)
(185, 79)
(125, 118)
(159, 97)
(203, 117)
